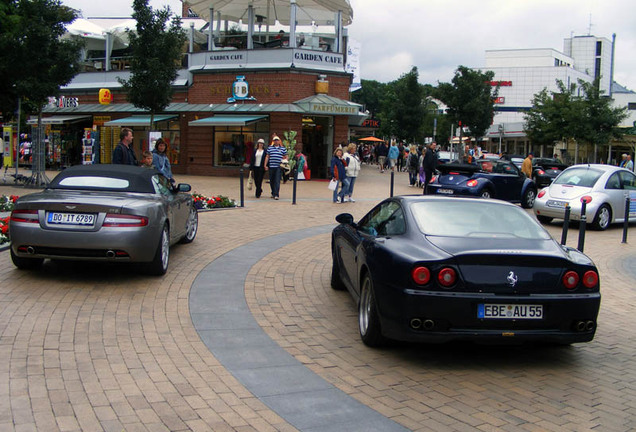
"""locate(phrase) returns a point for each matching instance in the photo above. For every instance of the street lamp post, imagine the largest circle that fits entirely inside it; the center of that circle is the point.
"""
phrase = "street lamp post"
(500, 128)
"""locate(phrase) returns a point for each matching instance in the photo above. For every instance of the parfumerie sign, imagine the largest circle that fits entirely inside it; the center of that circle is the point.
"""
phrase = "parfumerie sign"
(333, 108)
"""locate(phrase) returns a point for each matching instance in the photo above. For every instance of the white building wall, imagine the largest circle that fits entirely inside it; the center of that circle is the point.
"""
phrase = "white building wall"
(583, 49)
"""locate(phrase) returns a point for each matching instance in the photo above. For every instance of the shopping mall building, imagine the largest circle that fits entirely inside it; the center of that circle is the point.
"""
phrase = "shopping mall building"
(522, 73)
(236, 85)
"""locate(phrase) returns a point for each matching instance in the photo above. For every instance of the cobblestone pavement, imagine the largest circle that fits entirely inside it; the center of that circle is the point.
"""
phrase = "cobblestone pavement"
(92, 347)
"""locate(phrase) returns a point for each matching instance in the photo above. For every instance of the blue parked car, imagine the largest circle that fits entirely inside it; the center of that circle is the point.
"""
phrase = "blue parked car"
(487, 178)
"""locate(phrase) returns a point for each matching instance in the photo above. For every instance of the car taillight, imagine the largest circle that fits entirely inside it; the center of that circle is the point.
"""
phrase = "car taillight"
(433, 179)
(447, 277)
(570, 280)
(30, 216)
(472, 183)
(541, 193)
(540, 172)
(590, 279)
(421, 275)
(587, 199)
(117, 220)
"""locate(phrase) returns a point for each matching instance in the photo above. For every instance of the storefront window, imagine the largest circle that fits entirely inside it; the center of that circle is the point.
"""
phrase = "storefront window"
(233, 146)
(171, 134)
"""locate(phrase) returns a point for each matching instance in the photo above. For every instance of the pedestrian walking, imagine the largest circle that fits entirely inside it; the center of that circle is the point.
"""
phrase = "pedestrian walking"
(338, 173)
(429, 164)
(275, 154)
(352, 170)
(412, 165)
(123, 153)
(393, 155)
(257, 166)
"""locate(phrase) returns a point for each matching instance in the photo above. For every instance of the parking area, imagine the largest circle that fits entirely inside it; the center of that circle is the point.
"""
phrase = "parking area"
(93, 347)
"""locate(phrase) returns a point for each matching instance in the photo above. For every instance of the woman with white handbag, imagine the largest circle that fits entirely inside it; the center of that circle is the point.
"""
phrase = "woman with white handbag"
(338, 173)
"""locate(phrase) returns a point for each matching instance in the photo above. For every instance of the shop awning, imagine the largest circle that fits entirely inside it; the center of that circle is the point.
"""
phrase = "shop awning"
(59, 119)
(329, 105)
(139, 120)
(227, 120)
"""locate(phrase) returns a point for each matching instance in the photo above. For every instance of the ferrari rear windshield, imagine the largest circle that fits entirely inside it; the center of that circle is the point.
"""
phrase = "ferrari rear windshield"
(475, 218)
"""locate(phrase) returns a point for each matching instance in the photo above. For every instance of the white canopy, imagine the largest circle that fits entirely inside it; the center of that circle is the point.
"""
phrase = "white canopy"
(319, 12)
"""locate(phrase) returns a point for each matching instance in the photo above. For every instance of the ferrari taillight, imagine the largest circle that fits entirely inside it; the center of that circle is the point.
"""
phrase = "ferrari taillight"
(570, 280)
(540, 172)
(433, 179)
(447, 277)
(119, 220)
(472, 183)
(541, 193)
(29, 216)
(421, 275)
(590, 279)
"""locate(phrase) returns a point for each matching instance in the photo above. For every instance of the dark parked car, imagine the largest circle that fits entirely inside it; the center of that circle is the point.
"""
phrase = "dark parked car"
(434, 269)
(545, 170)
(486, 178)
(110, 213)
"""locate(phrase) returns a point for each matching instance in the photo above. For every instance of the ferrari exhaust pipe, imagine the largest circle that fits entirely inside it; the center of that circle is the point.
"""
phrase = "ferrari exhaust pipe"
(589, 326)
(110, 254)
(429, 324)
(580, 326)
(416, 323)
(30, 250)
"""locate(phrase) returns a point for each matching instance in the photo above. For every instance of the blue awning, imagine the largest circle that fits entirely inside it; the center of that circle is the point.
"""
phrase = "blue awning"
(227, 120)
(139, 120)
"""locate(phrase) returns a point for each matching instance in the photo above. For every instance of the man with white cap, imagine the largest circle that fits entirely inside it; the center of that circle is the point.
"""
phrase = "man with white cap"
(275, 153)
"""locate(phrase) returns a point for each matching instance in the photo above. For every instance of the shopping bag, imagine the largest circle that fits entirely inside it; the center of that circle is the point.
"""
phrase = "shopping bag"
(333, 184)
(250, 181)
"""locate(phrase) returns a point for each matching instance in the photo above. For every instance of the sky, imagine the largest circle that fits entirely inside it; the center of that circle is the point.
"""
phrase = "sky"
(437, 36)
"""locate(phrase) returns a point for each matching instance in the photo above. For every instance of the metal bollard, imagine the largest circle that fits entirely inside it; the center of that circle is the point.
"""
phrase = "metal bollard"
(582, 224)
(626, 223)
(392, 180)
(566, 224)
(242, 188)
(295, 174)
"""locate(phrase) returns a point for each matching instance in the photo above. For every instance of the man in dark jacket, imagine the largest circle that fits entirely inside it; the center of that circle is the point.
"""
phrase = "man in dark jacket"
(429, 164)
(123, 153)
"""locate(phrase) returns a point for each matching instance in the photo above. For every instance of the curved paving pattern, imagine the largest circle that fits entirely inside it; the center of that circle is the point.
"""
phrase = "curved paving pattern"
(99, 348)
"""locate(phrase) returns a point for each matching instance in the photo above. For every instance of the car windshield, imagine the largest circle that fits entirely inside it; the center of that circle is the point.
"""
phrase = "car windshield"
(475, 218)
(579, 176)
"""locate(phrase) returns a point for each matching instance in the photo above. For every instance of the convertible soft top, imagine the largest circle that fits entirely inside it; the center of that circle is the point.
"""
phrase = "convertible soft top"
(136, 179)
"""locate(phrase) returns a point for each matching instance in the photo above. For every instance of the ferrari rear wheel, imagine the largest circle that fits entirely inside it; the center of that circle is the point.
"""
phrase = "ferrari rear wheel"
(159, 265)
(368, 320)
(336, 281)
(486, 194)
(192, 226)
(26, 263)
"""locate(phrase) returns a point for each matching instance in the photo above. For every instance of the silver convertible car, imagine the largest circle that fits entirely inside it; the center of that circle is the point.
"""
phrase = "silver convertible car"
(604, 187)
(110, 213)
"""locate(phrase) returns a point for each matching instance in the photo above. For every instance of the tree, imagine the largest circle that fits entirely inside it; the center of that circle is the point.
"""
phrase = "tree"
(156, 58)
(470, 99)
(406, 107)
(35, 61)
(584, 116)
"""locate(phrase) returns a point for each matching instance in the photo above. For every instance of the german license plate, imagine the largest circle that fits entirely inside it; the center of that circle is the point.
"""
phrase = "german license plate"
(509, 311)
(445, 191)
(82, 219)
(555, 203)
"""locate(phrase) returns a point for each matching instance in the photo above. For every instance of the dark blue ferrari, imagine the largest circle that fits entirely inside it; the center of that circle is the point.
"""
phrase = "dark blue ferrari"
(435, 269)
(486, 178)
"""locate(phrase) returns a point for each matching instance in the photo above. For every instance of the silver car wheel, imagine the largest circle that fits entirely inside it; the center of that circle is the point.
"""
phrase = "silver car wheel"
(165, 248)
(192, 226)
(603, 217)
(485, 194)
(529, 198)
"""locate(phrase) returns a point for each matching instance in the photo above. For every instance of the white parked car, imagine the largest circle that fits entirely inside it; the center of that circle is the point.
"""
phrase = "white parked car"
(605, 187)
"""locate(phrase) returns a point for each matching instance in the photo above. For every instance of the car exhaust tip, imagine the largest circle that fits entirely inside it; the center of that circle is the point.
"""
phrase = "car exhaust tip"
(30, 250)
(416, 323)
(590, 325)
(580, 326)
(429, 324)
(110, 254)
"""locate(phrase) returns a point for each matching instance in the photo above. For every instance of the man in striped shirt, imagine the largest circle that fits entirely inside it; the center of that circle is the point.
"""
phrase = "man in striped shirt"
(275, 154)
